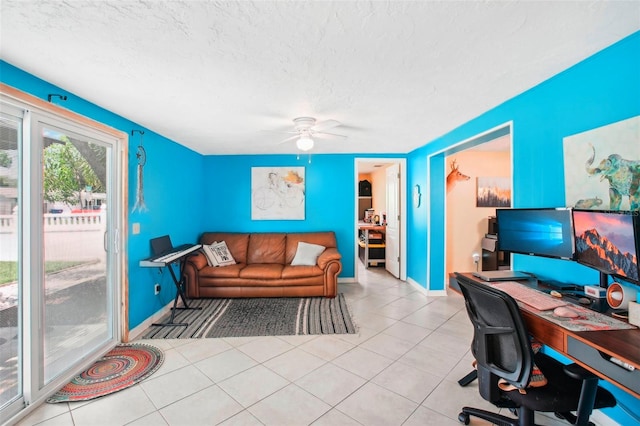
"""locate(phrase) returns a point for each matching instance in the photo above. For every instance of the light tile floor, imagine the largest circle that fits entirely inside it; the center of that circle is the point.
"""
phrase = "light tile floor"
(401, 368)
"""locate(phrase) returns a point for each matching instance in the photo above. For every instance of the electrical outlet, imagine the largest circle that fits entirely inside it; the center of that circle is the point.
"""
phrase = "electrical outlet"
(156, 289)
(476, 257)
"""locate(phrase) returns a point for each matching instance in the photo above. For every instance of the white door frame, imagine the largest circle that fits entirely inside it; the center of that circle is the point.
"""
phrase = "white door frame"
(402, 162)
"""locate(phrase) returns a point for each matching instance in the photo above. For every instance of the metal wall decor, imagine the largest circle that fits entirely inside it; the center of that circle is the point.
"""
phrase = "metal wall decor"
(141, 157)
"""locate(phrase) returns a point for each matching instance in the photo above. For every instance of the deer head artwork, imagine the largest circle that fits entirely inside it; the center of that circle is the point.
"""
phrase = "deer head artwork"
(455, 176)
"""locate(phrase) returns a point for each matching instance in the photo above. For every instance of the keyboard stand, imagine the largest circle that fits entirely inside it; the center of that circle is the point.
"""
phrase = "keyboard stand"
(180, 287)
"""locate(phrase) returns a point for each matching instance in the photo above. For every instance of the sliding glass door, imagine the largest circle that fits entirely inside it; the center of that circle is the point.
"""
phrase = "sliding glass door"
(59, 257)
(77, 295)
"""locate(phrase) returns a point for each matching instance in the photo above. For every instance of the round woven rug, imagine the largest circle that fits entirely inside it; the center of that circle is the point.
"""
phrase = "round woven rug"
(124, 366)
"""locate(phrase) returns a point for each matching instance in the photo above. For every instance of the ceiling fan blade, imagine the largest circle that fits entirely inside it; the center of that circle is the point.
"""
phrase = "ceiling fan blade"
(326, 125)
(290, 132)
(289, 139)
(329, 134)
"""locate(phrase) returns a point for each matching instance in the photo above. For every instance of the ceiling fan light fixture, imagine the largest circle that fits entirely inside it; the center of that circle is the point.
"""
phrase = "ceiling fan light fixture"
(304, 143)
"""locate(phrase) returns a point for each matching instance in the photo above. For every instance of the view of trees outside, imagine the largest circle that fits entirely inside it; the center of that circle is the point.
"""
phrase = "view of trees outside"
(69, 173)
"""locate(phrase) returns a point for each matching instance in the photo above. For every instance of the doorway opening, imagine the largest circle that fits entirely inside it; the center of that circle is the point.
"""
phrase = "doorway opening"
(478, 180)
(381, 213)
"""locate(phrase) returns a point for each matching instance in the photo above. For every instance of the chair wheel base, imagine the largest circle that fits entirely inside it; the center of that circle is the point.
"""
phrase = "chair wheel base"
(464, 418)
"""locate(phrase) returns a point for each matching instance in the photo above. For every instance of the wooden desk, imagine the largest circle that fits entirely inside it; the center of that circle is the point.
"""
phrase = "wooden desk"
(591, 349)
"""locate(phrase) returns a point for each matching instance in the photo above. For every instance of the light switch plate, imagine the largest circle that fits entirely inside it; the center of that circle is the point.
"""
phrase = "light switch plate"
(135, 228)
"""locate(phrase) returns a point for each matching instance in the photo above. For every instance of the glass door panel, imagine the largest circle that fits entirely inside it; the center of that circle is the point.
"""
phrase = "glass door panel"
(11, 360)
(78, 300)
(59, 248)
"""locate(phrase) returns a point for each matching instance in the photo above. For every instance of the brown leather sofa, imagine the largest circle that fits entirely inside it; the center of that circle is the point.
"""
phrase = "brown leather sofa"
(263, 267)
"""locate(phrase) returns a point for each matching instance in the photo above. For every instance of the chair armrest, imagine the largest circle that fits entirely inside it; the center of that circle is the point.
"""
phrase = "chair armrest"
(327, 256)
(578, 373)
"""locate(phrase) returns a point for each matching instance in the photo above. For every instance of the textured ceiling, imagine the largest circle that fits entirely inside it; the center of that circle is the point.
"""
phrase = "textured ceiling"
(221, 76)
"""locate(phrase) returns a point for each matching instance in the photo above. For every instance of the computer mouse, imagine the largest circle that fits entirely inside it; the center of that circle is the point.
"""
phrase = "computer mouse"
(564, 312)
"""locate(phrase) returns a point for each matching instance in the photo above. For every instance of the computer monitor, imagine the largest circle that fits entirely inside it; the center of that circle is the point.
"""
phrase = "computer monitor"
(608, 242)
(544, 232)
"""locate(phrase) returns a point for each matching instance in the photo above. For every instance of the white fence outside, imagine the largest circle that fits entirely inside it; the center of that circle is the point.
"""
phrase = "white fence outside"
(67, 236)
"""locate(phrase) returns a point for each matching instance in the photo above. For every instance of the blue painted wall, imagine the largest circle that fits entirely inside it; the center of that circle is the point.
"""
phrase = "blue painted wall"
(173, 192)
(173, 189)
(417, 219)
(330, 197)
(603, 89)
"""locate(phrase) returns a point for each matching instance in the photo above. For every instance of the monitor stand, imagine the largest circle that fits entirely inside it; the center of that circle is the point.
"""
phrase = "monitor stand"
(604, 280)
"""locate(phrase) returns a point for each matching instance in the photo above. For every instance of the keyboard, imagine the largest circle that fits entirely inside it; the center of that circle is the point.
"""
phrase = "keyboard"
(529, 296)
(175, 254)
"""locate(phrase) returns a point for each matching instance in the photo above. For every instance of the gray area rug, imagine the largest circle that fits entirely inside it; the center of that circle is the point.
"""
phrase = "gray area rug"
(285, 316)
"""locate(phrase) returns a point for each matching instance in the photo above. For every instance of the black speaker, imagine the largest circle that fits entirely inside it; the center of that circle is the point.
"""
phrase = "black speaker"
(364, 188)
(492, 228)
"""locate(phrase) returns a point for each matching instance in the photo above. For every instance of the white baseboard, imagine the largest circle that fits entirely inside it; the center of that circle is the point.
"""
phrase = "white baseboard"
(417, 286)
(428, 293)
(144, 325)
(347, 280)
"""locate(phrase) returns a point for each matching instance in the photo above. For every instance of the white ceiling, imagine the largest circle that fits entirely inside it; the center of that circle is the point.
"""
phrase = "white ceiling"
(221, 76)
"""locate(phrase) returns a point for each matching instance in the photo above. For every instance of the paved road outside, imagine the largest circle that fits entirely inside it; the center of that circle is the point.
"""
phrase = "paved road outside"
(74, 299)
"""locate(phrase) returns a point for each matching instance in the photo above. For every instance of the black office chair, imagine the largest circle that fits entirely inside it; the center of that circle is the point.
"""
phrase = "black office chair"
(502, 350)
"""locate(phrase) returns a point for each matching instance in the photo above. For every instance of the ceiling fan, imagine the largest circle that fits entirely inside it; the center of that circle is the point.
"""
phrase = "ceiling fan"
(306, 128)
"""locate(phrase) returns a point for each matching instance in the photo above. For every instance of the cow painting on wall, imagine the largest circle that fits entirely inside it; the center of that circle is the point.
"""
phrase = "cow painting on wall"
(602, 167)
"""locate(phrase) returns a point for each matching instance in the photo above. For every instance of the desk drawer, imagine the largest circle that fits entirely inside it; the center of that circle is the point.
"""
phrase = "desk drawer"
(600, 362)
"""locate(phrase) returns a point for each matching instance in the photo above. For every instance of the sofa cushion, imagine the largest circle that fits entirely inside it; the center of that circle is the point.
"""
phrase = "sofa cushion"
(265, 271)
(307, 254)
(230, 271)
(266, 248)
(289, 271)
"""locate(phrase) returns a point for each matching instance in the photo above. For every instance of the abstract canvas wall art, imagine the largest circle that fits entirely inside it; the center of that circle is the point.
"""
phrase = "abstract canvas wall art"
(602, 167)
(277, 193)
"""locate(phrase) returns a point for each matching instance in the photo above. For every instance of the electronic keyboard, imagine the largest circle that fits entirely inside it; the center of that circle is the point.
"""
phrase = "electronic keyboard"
(169, 257)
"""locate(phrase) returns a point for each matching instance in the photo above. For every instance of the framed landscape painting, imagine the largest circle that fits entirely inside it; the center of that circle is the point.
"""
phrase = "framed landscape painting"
(493, 192)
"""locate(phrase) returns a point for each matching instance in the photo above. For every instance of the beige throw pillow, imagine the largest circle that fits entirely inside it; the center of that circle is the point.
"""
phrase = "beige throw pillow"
(307, 254)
